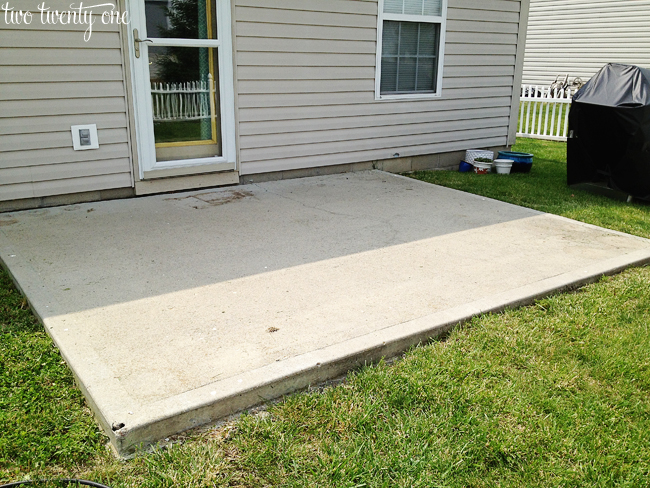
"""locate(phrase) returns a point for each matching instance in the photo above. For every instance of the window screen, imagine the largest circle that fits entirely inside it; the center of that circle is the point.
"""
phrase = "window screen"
(409, 60)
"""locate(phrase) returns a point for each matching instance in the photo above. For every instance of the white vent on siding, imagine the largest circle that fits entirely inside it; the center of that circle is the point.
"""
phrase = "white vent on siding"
(414, 7)
(84, 137)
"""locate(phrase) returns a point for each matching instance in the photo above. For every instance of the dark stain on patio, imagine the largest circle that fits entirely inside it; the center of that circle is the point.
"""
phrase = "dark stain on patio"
(214, 199)
(8, 222)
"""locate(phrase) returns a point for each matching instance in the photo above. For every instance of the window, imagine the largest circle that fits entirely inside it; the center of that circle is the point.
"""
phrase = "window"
(410, 48)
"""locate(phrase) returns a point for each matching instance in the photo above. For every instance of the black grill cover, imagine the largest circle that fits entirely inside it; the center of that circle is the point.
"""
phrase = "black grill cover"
(609, 131)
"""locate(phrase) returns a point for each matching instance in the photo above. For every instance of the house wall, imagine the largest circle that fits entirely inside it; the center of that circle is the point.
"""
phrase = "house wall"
(51, 79)
(305, 95)
(577, 37)
(306, 84)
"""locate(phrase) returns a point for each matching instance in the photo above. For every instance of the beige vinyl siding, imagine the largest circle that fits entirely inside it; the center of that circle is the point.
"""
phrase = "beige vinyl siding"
(50, 79)
(578, 37)
(306, 84)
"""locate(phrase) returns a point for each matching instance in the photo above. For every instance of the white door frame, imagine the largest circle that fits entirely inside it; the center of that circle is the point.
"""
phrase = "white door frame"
(146, 148)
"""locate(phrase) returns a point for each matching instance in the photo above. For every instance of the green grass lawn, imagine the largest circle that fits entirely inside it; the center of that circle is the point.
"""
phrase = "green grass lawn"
(554, 394)
(183, 131)
(43, 417)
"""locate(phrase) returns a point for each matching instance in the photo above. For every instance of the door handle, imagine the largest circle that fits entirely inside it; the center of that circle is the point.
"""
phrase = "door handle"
(137, 41)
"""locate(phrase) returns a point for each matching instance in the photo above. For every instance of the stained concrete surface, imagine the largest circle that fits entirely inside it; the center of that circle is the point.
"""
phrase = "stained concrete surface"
(174, 310)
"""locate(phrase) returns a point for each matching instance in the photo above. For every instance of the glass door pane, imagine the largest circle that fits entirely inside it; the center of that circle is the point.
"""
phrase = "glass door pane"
(184, 79)
(181, 19)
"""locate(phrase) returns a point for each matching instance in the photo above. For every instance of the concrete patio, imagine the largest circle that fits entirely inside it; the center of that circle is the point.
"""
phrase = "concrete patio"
(177, 310)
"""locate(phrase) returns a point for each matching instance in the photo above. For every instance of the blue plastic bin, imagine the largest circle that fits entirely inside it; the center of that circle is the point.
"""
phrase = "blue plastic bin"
(523, 162)
(465, 167)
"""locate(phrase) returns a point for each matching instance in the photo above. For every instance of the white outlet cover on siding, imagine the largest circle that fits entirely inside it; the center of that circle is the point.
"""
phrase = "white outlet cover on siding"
(84, 137)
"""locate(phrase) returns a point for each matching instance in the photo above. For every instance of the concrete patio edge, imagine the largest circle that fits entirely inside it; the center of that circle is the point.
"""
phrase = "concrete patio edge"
(217, 400)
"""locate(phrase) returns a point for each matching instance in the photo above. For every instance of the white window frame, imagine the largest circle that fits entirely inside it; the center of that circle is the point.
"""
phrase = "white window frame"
(442, 21)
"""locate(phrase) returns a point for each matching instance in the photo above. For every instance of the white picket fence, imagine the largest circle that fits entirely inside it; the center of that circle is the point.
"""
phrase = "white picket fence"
(544, 113)
(182, 101)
